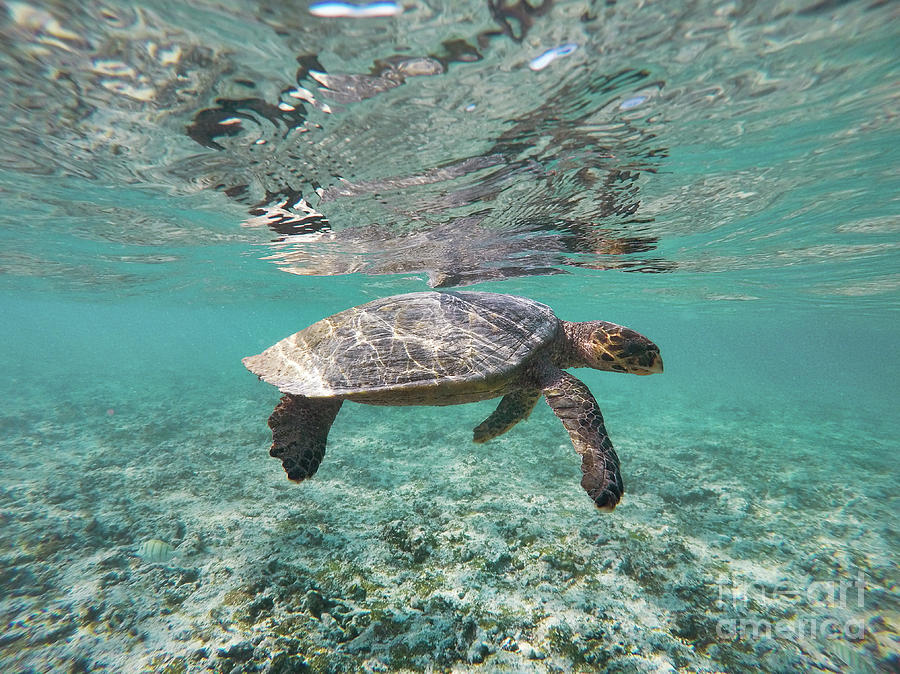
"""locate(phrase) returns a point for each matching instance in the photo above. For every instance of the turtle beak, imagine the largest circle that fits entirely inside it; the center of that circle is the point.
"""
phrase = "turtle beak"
(656, 367)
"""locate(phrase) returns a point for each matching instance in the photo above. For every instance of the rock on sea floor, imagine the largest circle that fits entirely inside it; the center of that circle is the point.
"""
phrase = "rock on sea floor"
(413, 549)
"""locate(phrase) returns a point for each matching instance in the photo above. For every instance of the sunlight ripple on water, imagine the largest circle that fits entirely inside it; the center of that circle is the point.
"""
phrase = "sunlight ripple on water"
(450, 158)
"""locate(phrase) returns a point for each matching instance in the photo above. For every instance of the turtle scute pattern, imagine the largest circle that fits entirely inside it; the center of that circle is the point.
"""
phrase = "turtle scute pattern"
(408, 341)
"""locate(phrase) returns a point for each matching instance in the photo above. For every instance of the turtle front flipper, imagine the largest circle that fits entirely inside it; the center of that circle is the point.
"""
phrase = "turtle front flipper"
(573, 403)
(513, 408)
(300, 428)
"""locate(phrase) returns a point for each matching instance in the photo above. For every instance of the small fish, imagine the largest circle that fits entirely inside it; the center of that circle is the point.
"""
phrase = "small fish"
(333, 10)
(551, 55)
(155, 551)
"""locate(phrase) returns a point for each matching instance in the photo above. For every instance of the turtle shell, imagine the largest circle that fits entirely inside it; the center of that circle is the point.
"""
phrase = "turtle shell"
(428, 341)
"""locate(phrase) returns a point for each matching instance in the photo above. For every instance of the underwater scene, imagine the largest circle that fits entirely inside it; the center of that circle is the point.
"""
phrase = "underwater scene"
(184, 185)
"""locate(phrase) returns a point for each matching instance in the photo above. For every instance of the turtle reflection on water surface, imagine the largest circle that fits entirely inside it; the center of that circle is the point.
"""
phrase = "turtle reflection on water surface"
(447, 348)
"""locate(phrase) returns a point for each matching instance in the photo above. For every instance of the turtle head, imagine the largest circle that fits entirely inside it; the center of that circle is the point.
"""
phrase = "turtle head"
(614, 348)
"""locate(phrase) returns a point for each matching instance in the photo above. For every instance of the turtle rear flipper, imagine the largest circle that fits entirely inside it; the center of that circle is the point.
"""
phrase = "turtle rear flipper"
(513, 408)
(300, 428)
(573, 403)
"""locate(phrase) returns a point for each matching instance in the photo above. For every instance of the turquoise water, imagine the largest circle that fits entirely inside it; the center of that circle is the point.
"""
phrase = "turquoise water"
(720, 177)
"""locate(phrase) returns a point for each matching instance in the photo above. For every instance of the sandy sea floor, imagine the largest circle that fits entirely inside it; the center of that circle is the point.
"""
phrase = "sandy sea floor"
(737, 547)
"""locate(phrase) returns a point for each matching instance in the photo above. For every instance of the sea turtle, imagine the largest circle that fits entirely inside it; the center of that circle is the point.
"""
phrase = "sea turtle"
(446, 348)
